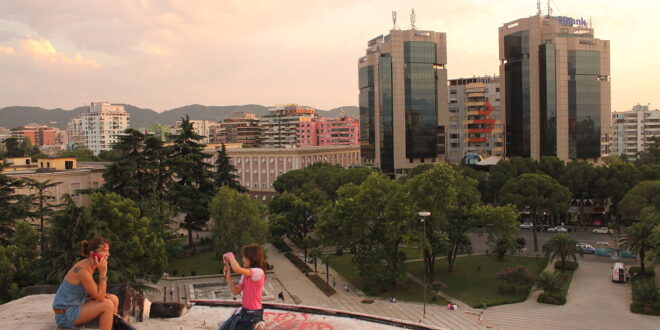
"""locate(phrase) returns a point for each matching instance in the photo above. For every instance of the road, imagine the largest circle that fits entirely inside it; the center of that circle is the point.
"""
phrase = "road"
(479, 244)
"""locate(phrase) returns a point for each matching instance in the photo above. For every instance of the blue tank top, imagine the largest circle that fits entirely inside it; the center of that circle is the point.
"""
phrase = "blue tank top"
(69, 295)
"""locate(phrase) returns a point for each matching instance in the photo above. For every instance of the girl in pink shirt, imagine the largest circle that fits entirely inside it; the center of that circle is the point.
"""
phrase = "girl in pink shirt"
(251, 285)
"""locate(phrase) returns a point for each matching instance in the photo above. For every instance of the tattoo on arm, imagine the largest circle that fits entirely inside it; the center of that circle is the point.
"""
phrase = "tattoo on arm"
(76, 269)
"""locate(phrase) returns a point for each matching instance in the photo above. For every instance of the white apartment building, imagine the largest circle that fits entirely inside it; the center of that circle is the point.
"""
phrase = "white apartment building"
(632, 130)
(74, 133)
(200, 127)
(100, 125)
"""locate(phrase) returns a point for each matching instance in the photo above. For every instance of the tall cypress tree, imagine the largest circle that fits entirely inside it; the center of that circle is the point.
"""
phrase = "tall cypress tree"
(194, 187)
(12, 206)
(225, 172)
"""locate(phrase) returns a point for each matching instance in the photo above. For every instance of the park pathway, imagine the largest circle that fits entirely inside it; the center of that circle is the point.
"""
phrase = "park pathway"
(302, 290)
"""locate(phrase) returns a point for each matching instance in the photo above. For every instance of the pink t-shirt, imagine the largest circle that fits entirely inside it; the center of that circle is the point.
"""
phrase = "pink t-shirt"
(252, 288)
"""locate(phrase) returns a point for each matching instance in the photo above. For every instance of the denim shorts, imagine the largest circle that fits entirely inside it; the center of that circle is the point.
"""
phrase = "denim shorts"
(66, 319)
(243, 319)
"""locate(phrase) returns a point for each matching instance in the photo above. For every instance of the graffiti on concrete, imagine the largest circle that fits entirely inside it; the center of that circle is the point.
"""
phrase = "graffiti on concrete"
(297, 321)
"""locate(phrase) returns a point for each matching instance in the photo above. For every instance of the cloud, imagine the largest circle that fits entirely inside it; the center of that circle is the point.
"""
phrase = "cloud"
(43, 50)
(4, 50)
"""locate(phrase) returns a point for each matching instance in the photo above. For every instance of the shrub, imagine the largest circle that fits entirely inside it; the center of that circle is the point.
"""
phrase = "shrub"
(644, 309)
(516, 276)
(520, 242)
(280, 245)
(636, 272)
(568, 265)
(646, 292)
(339, 252)
(501, 249)
(553, 299)
(549, 282)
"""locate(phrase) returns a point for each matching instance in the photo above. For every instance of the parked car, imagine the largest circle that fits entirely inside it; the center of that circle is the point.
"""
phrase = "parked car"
(602, 230)
(570, 228)
(585, 248)
(558, 229)
(541, 227)
(526, 225)
(602, 244)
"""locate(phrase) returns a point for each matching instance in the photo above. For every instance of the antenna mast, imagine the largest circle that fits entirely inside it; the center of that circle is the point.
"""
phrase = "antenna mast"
(412, 19)
(549, 9)
(394, 20)
(538, 7)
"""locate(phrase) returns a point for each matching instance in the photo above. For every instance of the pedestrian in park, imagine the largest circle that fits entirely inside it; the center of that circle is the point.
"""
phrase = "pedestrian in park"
(346, 288)
(251, 284)
(334, 281)
(481, 317)
(281, 295)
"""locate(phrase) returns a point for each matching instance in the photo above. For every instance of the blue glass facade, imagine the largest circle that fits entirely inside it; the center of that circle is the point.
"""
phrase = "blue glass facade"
(517, 89)
(386, 114)
(367, 112)
(583, 104)
(421, 99)
(548, 95)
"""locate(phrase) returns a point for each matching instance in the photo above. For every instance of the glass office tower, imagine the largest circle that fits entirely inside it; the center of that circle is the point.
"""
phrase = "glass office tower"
(403, 100)
(555, 88)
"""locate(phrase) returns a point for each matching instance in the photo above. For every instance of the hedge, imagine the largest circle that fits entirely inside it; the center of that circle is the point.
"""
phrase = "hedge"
(568, 265)
(640, 308)
(636, 271)
(322, 285)
(298, 263)
(553, 299)
(280, 245)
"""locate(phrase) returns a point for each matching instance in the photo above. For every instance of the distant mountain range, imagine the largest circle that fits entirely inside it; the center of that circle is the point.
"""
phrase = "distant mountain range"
(19, 115)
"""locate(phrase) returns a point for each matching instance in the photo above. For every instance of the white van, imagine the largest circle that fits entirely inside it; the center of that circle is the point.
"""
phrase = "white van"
(619, 273)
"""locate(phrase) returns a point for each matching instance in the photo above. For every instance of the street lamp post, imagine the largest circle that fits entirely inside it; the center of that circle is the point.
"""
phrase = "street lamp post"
(423, 214)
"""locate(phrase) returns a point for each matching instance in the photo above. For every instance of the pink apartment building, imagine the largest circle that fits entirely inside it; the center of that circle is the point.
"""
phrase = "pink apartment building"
(328, 132)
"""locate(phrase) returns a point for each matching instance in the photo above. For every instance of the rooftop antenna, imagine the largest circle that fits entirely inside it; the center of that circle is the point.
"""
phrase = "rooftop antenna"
(538, 7)
(549, 9)
(394, 20)
(412, 19)
(590, 26)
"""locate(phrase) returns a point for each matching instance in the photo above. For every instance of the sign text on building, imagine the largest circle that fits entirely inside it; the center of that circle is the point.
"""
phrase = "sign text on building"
(571, 21)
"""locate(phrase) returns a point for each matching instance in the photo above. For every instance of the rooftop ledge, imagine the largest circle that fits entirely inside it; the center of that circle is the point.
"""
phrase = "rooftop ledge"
(34, 312)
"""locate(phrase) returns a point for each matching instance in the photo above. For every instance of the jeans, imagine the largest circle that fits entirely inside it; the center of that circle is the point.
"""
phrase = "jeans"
(244, 319)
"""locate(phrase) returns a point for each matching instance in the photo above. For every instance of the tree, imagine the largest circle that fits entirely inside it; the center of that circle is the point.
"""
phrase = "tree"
(549, 282)
(501, 225)
(639, 237)
(372, 219)
(552, 166)
(81, 153)
(538, 193)
(42, 205)
(451, 198)
(13, 206)
(237, 220)
(506, 170)
(140, 252)
(69, 226)
(194, 188)
(562, 246)
(127, 175)
(643, 195)
(225, 172)
(651, 154)
(13, 147)
(580, 177)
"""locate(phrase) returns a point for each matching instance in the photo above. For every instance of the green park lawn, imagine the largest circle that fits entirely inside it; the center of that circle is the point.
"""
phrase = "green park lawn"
(411, 253)
(204, 263)
(473, 281)
(405, 291)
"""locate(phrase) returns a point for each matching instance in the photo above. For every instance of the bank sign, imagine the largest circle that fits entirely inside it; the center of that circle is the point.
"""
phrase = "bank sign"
(571, 21)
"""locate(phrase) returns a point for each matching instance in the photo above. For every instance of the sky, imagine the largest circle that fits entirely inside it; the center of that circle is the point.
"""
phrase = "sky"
(162, 54)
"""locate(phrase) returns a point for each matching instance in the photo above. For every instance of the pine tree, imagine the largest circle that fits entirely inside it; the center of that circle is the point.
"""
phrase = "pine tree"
(225, 172)
(194, 187)
(12, 206)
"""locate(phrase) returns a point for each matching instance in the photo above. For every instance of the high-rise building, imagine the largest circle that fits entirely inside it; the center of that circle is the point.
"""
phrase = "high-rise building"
(280, 126)
(74, 132)
(101, 123)
(403, 100)
(474, 126)
(632, 130)
(555, 88)
(328, 132)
